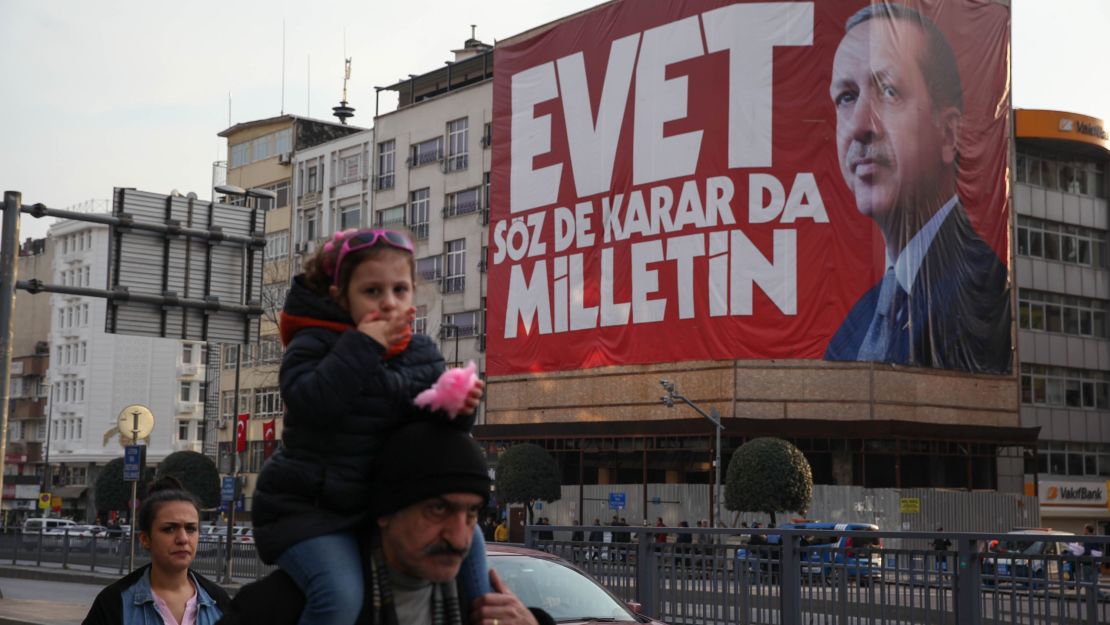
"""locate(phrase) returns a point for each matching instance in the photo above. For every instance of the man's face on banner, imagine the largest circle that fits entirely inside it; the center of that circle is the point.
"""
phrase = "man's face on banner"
(890, 142)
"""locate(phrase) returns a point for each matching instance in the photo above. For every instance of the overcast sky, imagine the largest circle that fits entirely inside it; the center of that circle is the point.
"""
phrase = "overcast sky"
(105, 93)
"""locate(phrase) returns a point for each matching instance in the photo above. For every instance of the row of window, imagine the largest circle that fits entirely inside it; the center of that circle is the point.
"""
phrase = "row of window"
(73, 353)
(255, 456)
(1073, 459)
(1075, 245)
(1064, 314)
(449, 267)
(464, 202)
(265, 404)
(188, 349)
(69, 391)
(260, 148)
(1067, 176)
(75, 242)
(265, 352)
(1063, 386)
(73, 316)
(79, 276)
(66, 429)
(31, 431)
(431, 150)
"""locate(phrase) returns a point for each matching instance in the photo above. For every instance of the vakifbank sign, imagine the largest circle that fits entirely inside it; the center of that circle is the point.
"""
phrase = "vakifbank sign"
(701, 180)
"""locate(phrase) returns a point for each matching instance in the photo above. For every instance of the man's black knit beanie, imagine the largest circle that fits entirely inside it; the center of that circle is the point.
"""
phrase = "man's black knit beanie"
(424, 460)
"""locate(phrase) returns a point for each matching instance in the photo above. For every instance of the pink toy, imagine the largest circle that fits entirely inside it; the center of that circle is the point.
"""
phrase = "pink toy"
(450, 391)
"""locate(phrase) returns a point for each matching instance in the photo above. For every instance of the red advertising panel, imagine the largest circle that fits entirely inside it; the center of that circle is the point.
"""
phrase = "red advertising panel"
(704, 179)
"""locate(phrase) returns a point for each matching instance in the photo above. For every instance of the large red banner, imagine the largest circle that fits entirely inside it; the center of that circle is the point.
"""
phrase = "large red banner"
(704, 179)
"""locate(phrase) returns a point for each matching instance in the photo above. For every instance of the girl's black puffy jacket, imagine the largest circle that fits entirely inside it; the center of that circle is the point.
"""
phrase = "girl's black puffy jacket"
(341, 399)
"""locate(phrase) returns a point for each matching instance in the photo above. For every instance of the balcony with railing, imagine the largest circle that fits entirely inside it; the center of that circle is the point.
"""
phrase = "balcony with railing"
(419, 231)
(384, 181)
(456, 162)
(453, 284)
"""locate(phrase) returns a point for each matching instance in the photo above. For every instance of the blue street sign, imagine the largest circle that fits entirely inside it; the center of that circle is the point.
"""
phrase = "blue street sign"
(538, 505)
(227, 489)
(132, 463)
(656, 500)
(616, 501)
(240, 504)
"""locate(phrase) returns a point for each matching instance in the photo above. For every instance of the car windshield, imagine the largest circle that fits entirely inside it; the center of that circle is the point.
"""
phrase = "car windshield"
(559, 590)
(1027, 547)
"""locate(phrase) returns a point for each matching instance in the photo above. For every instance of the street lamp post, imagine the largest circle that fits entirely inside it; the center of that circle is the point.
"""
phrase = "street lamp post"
(715, 418)
(246, 194)
(46, 460)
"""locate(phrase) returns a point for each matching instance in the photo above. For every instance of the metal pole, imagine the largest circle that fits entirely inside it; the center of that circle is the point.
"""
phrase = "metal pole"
(717, 462)
(9, 270)
(46, 461)
(134, 486)
(234, 465)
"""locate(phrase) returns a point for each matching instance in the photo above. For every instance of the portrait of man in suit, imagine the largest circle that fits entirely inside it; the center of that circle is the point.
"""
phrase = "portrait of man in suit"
(944, 298)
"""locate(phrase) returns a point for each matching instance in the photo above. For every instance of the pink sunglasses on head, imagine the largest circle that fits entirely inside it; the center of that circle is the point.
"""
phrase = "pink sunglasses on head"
(368, 238)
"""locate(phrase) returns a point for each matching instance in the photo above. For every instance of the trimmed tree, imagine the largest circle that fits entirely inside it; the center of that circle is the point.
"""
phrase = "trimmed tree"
(768, 475)
(526, 473)
(196, 472)
(112, 492)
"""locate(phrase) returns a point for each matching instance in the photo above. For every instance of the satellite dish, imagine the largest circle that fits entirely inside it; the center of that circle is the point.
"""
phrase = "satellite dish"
(132, 418)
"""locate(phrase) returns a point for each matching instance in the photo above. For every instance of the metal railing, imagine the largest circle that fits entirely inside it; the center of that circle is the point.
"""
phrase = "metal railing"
(819, 577)
(722, 577)
(75, 550)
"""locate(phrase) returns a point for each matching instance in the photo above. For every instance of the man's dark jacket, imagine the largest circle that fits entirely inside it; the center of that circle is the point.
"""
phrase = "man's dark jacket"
(277, 600)
(342, 397)
(958, 315)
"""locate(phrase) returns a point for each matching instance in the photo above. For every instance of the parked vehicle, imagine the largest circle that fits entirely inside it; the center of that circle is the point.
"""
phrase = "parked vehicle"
(561, 589)
(1042, 548)
(49, 531)
(826, 557)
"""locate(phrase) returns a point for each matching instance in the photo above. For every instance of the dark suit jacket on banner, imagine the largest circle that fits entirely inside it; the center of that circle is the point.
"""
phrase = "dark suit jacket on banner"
(958, 315)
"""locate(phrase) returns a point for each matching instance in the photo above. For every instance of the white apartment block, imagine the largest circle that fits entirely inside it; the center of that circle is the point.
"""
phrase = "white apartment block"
(331, 188)
(93, 375)
(431, 176)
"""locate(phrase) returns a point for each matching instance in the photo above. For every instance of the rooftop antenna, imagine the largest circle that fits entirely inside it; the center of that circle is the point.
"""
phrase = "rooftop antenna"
(343, 111)
(282, 67)
(473, 28)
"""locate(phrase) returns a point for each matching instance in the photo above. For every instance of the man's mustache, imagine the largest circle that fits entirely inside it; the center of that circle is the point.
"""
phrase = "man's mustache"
(859, 151)
(445, 548)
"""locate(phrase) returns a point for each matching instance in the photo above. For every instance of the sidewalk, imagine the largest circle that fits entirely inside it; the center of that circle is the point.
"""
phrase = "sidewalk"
(53, 612)
(25, 612)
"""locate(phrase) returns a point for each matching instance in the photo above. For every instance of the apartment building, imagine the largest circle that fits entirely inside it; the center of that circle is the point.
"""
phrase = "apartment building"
(27, 417)
(261, 154)
(1063, 293)
(431, 176)
(93, 375)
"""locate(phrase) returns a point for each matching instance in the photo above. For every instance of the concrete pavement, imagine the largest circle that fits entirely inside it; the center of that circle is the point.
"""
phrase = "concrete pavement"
(65, 610)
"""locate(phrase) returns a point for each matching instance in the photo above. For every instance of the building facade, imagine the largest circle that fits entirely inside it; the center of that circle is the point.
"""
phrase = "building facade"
(24, 466)
(261, 154)
(93, 375)
(1063, 293)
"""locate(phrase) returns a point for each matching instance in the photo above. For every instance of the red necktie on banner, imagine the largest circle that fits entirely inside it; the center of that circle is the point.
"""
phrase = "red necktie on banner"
(268, 436)
(241, 432)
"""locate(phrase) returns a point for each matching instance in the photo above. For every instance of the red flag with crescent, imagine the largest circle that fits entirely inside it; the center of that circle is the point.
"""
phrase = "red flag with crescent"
(241, 432)
(268, 436)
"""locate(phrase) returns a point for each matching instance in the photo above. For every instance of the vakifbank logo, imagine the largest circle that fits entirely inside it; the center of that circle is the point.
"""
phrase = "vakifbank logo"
(1067, 125)
(1053, 492)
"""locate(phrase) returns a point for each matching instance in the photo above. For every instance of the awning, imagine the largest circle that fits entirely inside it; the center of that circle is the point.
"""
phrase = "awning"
(786, 428)
(69, 492)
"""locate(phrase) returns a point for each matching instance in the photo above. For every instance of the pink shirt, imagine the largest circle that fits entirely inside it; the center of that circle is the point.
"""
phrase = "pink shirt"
(190, 616)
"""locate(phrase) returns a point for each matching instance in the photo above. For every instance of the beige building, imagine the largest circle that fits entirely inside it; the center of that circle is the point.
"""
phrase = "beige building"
(261, 154)
(24, 462)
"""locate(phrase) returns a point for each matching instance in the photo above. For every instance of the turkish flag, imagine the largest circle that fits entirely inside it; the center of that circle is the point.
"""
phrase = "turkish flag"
(268, 436)
(241, 432)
